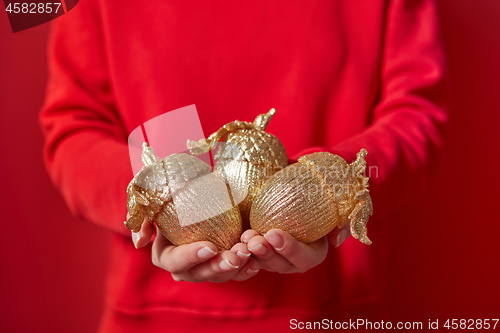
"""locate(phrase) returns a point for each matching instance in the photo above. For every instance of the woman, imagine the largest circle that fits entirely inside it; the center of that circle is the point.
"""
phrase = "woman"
(343, 75)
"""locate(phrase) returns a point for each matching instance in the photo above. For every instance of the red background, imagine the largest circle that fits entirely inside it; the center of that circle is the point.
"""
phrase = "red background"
(444, 258)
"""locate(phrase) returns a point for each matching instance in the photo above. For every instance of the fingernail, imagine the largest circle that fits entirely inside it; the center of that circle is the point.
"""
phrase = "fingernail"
(206, 253)
(341, 237)
(274, 239)
(252, 271)
(245, 241)
(136, 236)
(225, 265)
(243, 255)
(259, 248)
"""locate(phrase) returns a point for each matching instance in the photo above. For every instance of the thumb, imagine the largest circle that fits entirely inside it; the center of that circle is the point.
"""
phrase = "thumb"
(338, 236)
(143, 237)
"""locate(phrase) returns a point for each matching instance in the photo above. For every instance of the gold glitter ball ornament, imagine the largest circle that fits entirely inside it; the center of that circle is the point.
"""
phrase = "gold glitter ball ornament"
(247, 155)
(187, 201)
(310, 198)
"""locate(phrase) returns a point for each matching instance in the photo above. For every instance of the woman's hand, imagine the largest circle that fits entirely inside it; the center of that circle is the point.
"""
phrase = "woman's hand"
(199, 261)
(278, 251)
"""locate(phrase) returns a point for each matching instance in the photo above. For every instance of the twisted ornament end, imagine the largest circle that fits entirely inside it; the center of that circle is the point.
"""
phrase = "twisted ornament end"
(263, 120)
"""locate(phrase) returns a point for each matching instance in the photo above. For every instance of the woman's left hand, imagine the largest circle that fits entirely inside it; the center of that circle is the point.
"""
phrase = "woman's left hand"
(278, 251)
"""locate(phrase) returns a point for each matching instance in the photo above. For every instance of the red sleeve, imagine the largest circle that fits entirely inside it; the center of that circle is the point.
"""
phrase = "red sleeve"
(408, 123)
(86, 149)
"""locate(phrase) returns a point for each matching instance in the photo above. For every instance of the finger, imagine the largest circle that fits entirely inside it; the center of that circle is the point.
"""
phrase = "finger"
(135, 235)
(264, 266)
(338, 236)
(272, 260)
(259, 247)
(250, 269)
(247, 235)
(220, 268)
(143, 237)
(242, 252)
(178, 259)
(303, 256)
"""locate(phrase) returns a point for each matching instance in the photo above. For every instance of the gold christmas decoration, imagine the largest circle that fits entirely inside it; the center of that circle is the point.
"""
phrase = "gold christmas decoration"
(310, 198)
(187, 201)
(247, 157)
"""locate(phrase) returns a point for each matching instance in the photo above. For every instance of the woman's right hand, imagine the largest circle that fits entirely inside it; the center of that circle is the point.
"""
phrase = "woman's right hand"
(199, 261)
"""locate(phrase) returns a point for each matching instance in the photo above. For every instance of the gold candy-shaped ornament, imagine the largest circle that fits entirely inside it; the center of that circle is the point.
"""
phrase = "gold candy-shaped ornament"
(308, 199)
(187, 201)
(247, 157)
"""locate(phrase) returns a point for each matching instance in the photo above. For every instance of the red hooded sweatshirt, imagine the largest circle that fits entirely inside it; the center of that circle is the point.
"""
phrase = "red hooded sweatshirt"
(342, 75)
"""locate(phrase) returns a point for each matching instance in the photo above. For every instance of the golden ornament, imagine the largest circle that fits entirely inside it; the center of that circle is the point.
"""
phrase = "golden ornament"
(185, 199)
(248, 156)
(310, 198)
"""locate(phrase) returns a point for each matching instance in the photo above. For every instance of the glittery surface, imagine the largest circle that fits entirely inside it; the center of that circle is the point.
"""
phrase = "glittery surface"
(247, 156)
(251, 186)
(185, 199)
(310, 198)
